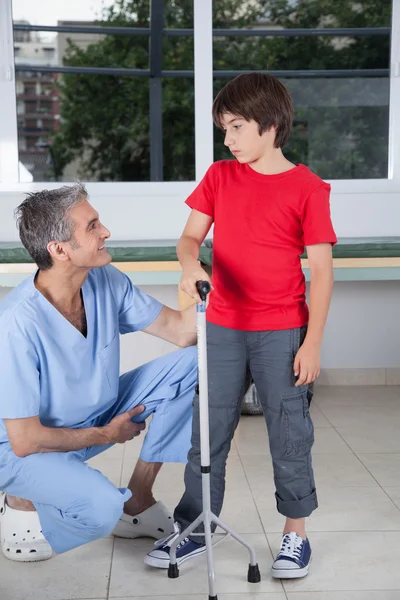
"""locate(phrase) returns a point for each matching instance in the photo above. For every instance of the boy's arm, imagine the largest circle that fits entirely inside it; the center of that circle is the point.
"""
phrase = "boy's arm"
(307, 361)
(188, 248)
(179, 327)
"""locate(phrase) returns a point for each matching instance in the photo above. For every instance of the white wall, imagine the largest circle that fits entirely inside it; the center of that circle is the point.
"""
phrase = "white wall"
(156, 211)
(131, 211)
(363, 327)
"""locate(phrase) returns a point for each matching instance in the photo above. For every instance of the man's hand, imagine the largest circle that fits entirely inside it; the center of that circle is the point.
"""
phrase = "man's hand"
(307, 363)
(121, 429)
(188, 281)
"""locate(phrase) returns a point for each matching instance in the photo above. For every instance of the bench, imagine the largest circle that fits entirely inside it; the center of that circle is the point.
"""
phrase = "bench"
(146, 263)
(155, 263)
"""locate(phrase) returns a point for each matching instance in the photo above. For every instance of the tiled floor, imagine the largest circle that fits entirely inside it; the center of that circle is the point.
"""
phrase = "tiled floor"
(355, 533)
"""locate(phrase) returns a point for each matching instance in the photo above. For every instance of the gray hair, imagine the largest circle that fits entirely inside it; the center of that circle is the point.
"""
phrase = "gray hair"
(43, 217)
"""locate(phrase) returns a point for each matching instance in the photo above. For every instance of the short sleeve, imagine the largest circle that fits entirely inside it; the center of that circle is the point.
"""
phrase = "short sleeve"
(316, 217)
(136, 310)
(203, 197)
(19, 377)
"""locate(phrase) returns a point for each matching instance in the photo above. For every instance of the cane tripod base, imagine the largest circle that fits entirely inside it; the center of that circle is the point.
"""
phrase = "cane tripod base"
(207, 518)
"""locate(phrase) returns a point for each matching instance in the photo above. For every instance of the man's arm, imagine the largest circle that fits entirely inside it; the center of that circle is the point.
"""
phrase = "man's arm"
(175, 326)
(28, 436)
(307, 361)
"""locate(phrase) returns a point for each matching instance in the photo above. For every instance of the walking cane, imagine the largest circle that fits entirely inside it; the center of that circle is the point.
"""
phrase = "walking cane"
(207, 517)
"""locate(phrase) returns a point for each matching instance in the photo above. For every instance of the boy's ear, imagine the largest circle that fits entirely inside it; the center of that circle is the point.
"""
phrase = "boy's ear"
(269, 130)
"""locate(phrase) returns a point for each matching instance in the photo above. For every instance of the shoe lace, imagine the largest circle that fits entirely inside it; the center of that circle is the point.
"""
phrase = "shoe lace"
(169, 538)
(291, 546)
(182, 543)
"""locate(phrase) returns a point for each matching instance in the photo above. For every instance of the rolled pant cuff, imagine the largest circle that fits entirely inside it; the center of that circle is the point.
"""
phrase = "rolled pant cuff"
(297, 509)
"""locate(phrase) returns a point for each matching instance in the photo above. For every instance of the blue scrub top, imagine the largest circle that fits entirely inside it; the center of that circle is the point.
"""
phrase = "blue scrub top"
(48, 368)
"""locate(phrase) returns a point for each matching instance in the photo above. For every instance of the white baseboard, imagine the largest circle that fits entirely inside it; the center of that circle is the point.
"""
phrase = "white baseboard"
(378, 376)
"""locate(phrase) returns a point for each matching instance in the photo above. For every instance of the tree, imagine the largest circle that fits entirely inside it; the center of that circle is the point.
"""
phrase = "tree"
(105, 119)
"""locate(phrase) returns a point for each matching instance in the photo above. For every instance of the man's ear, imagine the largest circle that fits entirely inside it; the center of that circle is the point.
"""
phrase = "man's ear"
(57, 251)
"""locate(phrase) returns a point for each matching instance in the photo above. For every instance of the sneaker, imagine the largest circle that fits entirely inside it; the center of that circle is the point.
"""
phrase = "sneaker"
(294, 557)
(159, 557)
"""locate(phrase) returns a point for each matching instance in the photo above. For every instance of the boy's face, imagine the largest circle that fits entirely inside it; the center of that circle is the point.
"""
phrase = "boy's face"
(243, 139)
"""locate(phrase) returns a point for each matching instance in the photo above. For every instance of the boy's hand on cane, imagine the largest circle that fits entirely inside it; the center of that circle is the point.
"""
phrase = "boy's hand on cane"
(188, 281)
(307, 364)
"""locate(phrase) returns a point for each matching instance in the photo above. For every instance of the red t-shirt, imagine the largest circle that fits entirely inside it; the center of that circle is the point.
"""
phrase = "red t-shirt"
(261, 225)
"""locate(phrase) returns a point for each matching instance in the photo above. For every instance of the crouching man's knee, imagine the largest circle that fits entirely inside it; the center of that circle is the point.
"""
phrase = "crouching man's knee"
(99, 514)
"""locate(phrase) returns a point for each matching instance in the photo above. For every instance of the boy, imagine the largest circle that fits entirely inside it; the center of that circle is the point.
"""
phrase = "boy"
(265, 210)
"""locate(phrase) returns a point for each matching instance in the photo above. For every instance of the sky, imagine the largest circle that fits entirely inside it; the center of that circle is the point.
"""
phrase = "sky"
(45, 12)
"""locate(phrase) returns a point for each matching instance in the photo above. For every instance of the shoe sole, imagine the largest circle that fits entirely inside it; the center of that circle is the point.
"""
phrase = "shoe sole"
(127, 535)
(290, 573)
(28, 557)
(161, 563)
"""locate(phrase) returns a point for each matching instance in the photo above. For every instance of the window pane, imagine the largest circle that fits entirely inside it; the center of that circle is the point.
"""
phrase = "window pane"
(341, 122)
(97, 126)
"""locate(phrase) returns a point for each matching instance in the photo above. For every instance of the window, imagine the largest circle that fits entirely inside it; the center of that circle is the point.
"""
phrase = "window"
(115, 113)
(339, 80)
(334, 57)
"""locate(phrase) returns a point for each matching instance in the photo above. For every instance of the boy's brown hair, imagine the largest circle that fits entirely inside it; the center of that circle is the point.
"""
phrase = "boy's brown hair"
(259, 97)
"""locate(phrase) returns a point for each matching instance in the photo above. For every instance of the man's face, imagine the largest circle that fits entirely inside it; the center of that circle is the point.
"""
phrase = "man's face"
(243, 139)
(87, 247)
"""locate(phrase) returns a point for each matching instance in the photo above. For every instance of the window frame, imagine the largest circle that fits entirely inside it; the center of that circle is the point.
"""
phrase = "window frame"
(203, 86)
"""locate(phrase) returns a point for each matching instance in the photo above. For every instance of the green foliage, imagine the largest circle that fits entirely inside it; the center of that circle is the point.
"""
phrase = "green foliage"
(341, 127)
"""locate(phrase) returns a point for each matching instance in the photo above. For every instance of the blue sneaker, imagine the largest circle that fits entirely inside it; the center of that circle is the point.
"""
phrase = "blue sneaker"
(187, 549)
(293, 560)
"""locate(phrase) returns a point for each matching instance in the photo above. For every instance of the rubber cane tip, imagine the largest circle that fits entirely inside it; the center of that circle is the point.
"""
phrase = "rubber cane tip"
(173, 571)
(253, 575)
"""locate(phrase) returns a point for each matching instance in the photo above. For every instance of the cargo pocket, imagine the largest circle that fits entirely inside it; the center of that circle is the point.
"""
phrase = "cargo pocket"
(297, 426)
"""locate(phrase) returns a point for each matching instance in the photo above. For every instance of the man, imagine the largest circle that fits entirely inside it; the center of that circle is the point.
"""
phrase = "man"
(62, 399)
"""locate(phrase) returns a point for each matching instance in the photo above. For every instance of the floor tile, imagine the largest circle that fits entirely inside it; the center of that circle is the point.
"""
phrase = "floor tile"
(372, 439)
(318, 417)
(362, 396)
(340, 509)
(384, 467)
(343, 595)
(362, 416)
(393, 493)
(328, 441)
(231, 562)
(108, 465)
(354, 532)
(80, 573)
(242, 596)
(349, 561)
(251, 436)
(240, 512)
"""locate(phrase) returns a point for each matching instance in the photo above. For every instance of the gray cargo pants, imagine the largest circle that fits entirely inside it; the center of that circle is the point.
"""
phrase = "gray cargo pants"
(269, 356)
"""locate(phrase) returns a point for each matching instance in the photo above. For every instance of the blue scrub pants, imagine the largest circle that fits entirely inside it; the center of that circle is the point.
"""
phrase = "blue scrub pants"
(77, 504)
